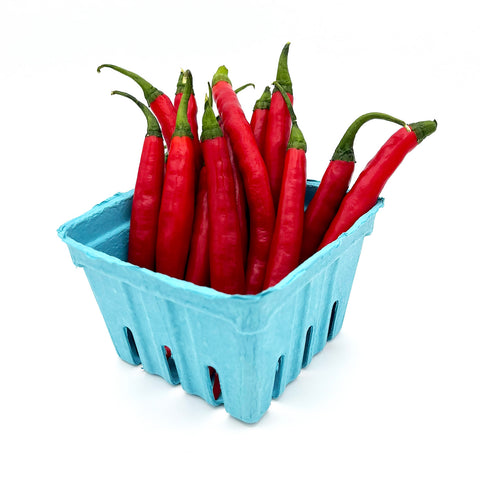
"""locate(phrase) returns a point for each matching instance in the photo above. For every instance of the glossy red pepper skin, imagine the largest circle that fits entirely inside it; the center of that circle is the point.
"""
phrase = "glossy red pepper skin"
(278, 128)
(160, 103)
(255, 179)
(147, 193)
(259, 119)
(287, 237)
(198, 266)
(240, 198)
(175, 221)
(367, 188)
(333, 186)
(324, 205)
(146, 204)
(163, 109)
(227, 272)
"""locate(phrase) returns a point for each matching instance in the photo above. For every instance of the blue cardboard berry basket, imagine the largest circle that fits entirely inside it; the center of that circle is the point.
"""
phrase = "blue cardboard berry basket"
(256, 344)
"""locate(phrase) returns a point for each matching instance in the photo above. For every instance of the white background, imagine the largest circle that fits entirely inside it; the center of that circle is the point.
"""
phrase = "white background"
(396, 394)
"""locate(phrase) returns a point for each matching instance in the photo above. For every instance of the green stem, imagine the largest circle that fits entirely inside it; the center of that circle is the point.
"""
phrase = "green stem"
(153, 128)
(210, 127)
(423, 129)
(344, 150)
(210, 94)
(149, 91)
(283, 75)
(296, 140)
(239, 89)
(182, 82)
(263, 103)
(182, 126)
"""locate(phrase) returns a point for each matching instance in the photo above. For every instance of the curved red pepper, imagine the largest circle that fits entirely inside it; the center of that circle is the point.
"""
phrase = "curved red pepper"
(255, 179)
(175, 221)
(278, 127)
(198, 266)
(227, 272)
(259, 119)
(369, 184)
(160, 103)
(333, 186)
(287, 237)
(147, 193)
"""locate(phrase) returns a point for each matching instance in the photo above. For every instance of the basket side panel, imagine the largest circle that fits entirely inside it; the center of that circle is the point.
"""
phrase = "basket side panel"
(346, 267)
(123, 311)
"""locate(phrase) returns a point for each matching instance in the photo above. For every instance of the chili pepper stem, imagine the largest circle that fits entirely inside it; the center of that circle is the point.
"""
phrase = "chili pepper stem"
(344, 150)
(182, 125)
(263, 102)
(149, 91)
(153, 128)
(283, 74)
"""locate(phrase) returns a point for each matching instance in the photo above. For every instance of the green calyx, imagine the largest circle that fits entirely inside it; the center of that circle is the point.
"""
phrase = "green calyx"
(344, 150)
(149, 91)
(181, 83)
(153, 128)
(182, 126)
(210, 127)
(423, 129)
(283, 75)
(296, 140)
(263, 103)
(221, 75)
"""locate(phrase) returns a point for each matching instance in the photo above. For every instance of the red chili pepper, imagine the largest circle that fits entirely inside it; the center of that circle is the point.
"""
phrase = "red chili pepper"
(198, 265)
(227, 272)
(147, 193)
(240, 198)
(369, 184)
(255, 178)
(175, 221)
(192, 117)
(259, 118)
(333, 186)
(158, 101)
(287, 237)
(278, 127)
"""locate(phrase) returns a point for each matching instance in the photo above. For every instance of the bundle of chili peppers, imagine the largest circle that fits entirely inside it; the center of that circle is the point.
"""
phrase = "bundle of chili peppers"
(220, 202)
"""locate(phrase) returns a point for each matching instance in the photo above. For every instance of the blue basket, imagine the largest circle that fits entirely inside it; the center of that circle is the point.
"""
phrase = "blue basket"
(257, 344)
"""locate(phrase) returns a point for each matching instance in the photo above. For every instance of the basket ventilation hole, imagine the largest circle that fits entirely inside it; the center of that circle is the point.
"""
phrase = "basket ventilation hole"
(132, 345)
(171, 365)
(331, 325)
(215, 383)
(278, 377)
(306, 351)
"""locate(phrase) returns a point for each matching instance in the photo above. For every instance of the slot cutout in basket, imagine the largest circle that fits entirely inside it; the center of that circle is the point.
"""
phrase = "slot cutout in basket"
(331, 325)
(278, 377)
(132, 346)
(306, 351)
(172, 368)
(215, 384)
